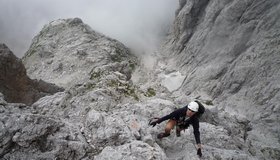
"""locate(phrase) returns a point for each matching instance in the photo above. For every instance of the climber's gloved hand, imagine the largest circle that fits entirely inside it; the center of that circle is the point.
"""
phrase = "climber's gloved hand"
(199, 152)
(153, 122)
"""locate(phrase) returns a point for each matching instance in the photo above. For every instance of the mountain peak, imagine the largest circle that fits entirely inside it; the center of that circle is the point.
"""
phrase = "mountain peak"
(67, 50)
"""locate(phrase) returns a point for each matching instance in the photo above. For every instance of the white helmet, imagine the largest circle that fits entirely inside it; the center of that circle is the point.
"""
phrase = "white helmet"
(193, 106)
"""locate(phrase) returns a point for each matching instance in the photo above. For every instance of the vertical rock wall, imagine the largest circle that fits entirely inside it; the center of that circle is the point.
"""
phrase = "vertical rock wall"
(16, 85)
(229, 51)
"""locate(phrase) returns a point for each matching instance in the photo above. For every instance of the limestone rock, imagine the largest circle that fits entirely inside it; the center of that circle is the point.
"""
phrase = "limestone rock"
(133, 150)
(67, 51)
(214, 52)
(229, 52)
(27, 135)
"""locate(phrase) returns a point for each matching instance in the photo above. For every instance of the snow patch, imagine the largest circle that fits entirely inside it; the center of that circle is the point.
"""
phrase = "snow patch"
(172, 81)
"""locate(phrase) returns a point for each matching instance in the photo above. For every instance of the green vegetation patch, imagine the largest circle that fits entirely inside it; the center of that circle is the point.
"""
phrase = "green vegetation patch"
(90, 86)
(95, 75)
(209, 102)
(124, 88)
(132, 66)
(150, 92)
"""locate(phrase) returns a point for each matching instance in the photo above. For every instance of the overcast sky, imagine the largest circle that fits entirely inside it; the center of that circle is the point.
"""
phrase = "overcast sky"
(139, 24)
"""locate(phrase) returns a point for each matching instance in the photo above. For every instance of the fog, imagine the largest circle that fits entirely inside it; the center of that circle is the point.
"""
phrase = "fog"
(139, 24)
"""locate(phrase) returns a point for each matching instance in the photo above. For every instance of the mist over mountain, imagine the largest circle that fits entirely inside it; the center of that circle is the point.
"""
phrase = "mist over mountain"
(138, 24)
(224, 54)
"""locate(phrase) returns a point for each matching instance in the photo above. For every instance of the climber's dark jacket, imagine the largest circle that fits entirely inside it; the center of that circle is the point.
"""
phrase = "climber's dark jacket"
(184, 121)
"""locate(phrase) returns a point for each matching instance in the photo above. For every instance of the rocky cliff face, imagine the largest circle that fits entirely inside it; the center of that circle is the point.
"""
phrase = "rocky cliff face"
(223, 53)
(99, 112)
(16, 85)
(228, 52)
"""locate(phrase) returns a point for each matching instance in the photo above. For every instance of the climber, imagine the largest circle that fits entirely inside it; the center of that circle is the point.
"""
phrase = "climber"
(182, 118)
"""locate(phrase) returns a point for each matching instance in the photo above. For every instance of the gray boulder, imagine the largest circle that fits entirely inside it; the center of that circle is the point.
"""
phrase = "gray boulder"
(28, 135)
